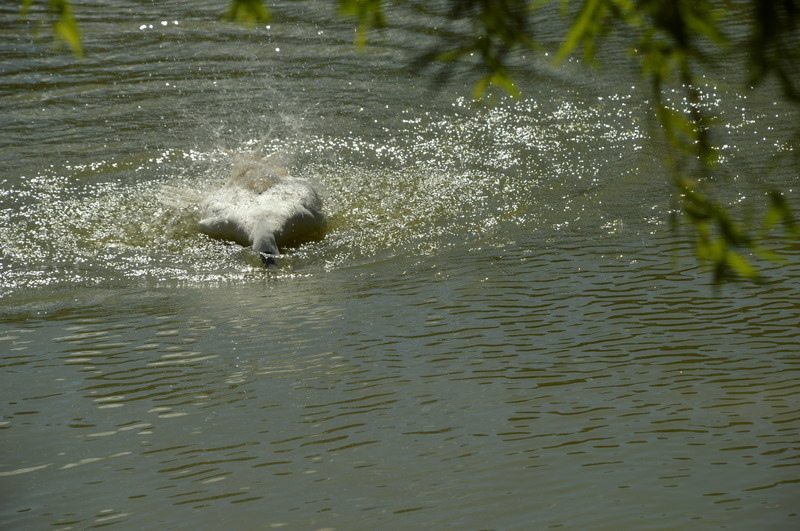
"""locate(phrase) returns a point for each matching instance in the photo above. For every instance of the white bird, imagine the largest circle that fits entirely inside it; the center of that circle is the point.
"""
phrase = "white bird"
(263, 208)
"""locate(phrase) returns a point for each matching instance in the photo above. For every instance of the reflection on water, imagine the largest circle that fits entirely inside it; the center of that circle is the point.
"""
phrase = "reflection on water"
(441, 181)
(450, 393)
(497, 332)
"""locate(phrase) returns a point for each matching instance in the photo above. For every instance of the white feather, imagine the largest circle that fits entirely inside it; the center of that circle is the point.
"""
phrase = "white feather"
(263, 208)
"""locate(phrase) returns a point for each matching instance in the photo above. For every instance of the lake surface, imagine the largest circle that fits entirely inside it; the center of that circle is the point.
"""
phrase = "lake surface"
(500, 329)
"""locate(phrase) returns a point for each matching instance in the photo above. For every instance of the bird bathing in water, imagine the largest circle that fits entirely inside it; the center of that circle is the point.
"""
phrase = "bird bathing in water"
(262, 207)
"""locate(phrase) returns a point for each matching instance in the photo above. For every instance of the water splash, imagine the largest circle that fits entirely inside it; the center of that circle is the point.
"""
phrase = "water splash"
(424, 183)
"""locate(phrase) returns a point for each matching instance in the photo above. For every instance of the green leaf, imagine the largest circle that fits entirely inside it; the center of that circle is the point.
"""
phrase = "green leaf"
(779, 212)
(368, 13)
(499, 79)
(26, 6)
(479, 90)
(502, 80)
(701, 19)
(583, 27)
(247, 12)
(65, 27)
(680, 131)
(740, 265)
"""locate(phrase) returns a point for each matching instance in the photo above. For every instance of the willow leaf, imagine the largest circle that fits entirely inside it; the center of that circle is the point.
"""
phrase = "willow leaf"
(580, 29)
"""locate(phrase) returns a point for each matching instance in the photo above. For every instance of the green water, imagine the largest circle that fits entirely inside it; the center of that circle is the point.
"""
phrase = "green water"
(499, 330)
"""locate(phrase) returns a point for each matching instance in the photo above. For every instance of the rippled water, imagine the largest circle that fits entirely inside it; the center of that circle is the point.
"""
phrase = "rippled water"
(499, 331)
